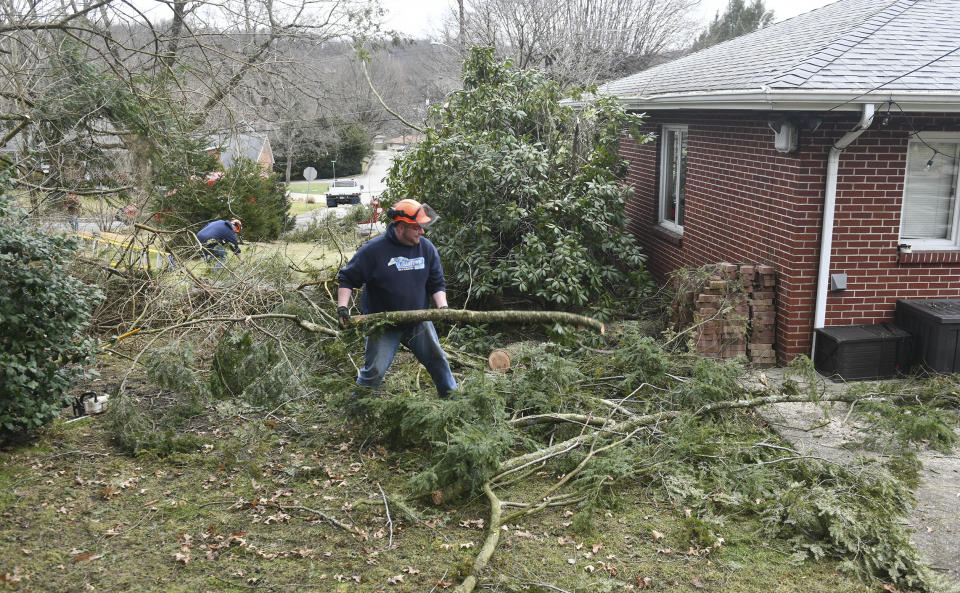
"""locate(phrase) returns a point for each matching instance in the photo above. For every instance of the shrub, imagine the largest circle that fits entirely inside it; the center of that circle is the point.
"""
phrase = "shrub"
(243, 191)
(529, 192)
(43, 315)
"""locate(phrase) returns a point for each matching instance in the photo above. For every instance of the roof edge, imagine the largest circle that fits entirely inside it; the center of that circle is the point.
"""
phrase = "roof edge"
(791, 100)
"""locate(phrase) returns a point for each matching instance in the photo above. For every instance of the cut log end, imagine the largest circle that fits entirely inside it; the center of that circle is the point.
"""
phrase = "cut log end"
(499, 360)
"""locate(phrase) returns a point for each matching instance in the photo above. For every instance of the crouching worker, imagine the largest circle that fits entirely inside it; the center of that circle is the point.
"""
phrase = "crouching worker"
(213, 237)
(400, 271)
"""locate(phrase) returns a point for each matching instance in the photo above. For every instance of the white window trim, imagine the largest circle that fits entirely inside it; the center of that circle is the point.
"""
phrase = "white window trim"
(932, 244)
(661, 205)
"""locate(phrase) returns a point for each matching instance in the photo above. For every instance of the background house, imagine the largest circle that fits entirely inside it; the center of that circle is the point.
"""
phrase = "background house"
(826, 146)
(229, 148)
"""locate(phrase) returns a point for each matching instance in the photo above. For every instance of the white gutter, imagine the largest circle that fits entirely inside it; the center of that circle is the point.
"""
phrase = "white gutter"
(829, 206)
(769, 99)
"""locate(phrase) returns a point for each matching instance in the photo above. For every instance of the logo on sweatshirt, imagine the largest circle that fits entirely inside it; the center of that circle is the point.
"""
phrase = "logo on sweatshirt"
(403, 264)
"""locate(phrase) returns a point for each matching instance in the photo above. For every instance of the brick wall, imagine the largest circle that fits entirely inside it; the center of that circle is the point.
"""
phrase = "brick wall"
(745, 202)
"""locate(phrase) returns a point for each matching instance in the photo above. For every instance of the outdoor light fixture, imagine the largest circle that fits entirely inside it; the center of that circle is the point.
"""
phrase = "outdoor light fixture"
(784, 135)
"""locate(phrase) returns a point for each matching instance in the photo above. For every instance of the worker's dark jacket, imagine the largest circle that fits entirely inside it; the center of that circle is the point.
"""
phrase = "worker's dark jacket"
(219, 231)
(398, 277)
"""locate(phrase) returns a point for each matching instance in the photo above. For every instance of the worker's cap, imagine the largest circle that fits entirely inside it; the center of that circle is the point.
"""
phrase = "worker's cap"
(236, 224)
(412, 212)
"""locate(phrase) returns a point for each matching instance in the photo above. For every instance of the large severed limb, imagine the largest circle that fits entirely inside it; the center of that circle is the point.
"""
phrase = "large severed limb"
(482, 317)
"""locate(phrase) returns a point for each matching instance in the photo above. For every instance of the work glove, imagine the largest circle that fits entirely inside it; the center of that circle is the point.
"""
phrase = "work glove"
(343, 317)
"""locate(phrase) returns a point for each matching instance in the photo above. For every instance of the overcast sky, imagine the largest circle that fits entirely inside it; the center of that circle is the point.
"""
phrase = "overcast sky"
(422, 17)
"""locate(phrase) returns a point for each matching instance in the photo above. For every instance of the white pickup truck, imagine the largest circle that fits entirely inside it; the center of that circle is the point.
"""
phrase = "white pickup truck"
(343, 191)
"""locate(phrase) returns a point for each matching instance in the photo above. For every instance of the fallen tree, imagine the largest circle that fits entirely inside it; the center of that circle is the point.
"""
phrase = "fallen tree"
(497, 519)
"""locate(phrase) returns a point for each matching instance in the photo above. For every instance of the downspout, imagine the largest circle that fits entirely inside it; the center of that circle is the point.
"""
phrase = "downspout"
(829, 206)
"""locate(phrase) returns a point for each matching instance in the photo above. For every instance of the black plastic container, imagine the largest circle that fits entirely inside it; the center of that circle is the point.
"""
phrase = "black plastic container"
(855, 352)
(935, 325)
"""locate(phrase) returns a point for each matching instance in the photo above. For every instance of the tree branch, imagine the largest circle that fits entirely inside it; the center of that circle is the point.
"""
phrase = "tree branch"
(396, 317)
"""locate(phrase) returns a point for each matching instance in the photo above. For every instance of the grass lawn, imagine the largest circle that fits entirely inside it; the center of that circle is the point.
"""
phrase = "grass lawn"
(301, 255)
(252, 506)
(302, 207)
(300, 187)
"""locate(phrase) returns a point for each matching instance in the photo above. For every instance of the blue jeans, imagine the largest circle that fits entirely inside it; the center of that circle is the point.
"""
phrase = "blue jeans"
(421, 338)
(214, 252)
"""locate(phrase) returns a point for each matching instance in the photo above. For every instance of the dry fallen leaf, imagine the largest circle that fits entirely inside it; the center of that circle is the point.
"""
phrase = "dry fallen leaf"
(657, 536)
(411, 570)
(395, 579)
(14, 577)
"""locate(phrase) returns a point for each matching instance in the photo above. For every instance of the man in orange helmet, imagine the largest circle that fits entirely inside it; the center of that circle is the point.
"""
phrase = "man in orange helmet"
(400, 271)
(213, 237)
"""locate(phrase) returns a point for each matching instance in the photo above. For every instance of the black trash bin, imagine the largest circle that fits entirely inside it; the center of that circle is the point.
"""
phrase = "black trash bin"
(935, 325)
(858, 352)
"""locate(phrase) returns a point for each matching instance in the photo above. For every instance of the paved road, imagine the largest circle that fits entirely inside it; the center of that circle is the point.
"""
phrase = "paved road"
(372, 181)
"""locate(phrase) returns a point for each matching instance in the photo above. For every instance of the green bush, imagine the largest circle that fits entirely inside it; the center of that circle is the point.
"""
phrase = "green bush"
(43, 314)
(529, 192)
(243, 191)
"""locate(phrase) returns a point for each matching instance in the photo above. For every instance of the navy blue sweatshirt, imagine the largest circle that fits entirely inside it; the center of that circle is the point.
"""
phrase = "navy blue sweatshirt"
(398, 277)
(220, 231)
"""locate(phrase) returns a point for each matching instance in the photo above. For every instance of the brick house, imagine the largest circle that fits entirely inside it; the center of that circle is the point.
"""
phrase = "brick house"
(825, 146)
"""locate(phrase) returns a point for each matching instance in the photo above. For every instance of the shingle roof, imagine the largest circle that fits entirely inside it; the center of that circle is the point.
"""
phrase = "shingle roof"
(237, 146)
(851, 46)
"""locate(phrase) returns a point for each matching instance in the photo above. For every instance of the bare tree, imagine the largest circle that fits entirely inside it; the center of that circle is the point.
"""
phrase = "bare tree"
(85, 87)
(581, 41)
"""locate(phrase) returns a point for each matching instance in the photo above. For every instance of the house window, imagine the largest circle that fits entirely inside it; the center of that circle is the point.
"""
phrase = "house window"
(673, 176)
(930, 205)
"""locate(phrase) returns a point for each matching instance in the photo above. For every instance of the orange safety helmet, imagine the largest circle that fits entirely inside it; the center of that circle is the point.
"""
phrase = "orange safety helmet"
(236, 224)
(412, 212)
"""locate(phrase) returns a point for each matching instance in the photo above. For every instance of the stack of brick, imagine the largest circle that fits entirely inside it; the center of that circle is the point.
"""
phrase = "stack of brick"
(732, 310)
(763, 315)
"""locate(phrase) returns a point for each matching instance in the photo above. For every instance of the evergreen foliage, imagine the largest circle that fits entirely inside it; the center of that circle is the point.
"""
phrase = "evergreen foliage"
(250, 370)
(243, 191)
(528, 190)
(44, 311)
(739, 18)
(76, 116)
